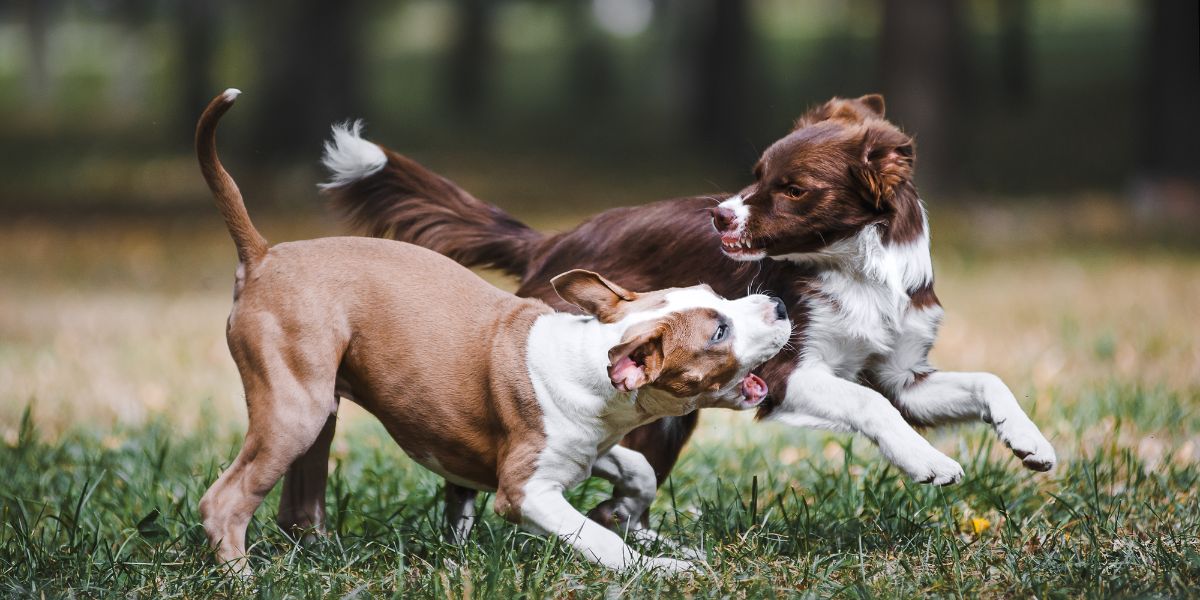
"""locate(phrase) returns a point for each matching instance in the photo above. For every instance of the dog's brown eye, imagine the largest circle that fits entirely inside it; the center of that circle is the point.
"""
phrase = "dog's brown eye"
(794, 192)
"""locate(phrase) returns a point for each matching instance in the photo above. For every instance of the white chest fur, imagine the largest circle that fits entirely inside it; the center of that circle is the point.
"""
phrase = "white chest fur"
(860, 308)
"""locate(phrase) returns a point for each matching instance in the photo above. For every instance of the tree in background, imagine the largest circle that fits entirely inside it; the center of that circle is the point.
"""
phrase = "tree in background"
(717, 96)
(1171, 98)
(922, 70)
(309, 59)
(1015, 71)
(197, 22)
(470, 59)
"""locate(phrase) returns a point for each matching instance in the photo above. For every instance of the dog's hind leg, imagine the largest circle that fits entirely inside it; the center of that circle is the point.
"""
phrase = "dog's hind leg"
(460, 512)
(634, 488)
(302, 501)
(290, 401)
(628, 511)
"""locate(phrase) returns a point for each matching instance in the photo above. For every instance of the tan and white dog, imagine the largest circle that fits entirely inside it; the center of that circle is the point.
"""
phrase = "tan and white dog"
(491, 391)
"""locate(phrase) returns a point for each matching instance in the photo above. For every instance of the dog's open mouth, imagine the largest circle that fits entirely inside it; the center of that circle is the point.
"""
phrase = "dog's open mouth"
(741, 247)
(754, 390)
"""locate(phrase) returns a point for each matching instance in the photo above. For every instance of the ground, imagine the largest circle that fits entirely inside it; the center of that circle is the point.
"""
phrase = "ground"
(120, 404)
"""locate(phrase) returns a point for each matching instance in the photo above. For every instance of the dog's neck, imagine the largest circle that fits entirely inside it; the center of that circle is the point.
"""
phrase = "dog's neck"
(568, 363)
(892, 254)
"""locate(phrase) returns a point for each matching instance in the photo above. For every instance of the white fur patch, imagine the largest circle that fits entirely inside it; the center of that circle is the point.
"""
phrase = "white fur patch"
(231, 94)
(349, 157)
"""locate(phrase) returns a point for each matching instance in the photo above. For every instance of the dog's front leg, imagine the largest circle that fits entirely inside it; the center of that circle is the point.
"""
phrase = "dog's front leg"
(817, 398)
(946, 397)
(545, 511)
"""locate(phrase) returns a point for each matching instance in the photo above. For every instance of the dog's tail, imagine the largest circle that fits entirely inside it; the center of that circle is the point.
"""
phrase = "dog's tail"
(251, 245)
(390, 195)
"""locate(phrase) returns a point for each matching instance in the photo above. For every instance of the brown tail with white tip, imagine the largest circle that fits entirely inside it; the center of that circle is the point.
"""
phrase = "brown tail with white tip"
(251, 245)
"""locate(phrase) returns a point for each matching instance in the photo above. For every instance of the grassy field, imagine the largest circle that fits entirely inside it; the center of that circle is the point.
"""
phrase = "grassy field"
(119, 405)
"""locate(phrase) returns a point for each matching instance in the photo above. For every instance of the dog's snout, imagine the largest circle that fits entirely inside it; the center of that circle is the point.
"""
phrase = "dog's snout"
(722, 218)
(780, 308)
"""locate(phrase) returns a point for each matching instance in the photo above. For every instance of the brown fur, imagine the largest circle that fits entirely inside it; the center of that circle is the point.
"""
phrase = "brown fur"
(409, 334)
(438, 355)
(848, 165)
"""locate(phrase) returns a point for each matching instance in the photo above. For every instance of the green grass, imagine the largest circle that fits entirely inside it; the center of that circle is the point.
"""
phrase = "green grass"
(115, 515)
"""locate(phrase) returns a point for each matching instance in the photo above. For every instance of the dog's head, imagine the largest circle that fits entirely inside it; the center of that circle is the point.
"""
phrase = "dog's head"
(842, 168)
(694, 345)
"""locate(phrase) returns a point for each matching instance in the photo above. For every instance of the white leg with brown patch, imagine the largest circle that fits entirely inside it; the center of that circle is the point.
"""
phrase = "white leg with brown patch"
(819, 399)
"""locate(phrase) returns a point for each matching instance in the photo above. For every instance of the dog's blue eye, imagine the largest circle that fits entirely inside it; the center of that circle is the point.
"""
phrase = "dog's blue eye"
(720, 334)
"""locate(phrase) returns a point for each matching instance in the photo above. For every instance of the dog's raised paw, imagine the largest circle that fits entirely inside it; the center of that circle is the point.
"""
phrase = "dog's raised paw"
(931, 467)
(1028, 444)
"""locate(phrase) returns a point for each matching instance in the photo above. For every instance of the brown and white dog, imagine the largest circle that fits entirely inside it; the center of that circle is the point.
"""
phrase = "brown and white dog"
(491, 391)
(832, 224)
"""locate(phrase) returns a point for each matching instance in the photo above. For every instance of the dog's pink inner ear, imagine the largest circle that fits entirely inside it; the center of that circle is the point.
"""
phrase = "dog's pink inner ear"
(626, 375)
(592, 293)
(638, 359)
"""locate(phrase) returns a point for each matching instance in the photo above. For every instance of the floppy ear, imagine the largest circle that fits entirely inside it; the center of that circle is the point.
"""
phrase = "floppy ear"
(885, 163)
(638, 359)
(592, 293)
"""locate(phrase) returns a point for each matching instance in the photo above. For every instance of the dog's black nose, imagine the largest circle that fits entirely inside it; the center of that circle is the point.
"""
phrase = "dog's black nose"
(780, 308)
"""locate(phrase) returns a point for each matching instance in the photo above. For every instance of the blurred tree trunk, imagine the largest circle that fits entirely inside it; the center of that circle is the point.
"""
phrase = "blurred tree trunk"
(470, 59)
(309, 60)
(196, 27)
(131, 52)
(922, 60)
(719, 76)
(1015, 73)
(1171, 122)
(590, 80)
(37, 13)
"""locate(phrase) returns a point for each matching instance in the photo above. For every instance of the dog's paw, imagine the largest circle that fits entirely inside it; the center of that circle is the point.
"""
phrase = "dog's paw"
(649, 538)
(932, 467)
(1027, 443)
(671, 566)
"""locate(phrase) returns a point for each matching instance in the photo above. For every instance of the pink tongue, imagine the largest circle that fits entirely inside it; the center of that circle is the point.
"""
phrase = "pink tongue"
(754, 389)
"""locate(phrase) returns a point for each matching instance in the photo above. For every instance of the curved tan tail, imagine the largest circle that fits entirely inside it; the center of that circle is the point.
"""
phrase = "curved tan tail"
(251, 245)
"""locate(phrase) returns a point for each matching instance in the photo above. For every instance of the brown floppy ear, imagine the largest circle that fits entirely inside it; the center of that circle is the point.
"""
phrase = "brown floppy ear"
(593, 294)
(638, 359)
(886, 163)
(875, 103)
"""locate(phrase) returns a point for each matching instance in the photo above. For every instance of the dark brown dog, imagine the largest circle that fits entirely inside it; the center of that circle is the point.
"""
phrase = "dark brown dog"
(832, 224)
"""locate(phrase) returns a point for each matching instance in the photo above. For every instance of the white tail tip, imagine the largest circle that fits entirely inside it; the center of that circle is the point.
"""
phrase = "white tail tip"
(231, 94)
(349, 157)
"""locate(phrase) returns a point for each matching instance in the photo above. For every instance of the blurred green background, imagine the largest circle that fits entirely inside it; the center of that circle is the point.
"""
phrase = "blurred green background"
(570, 106)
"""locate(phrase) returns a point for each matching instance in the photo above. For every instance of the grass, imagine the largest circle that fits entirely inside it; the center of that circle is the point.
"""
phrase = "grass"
(114, 514)
(119, 405)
